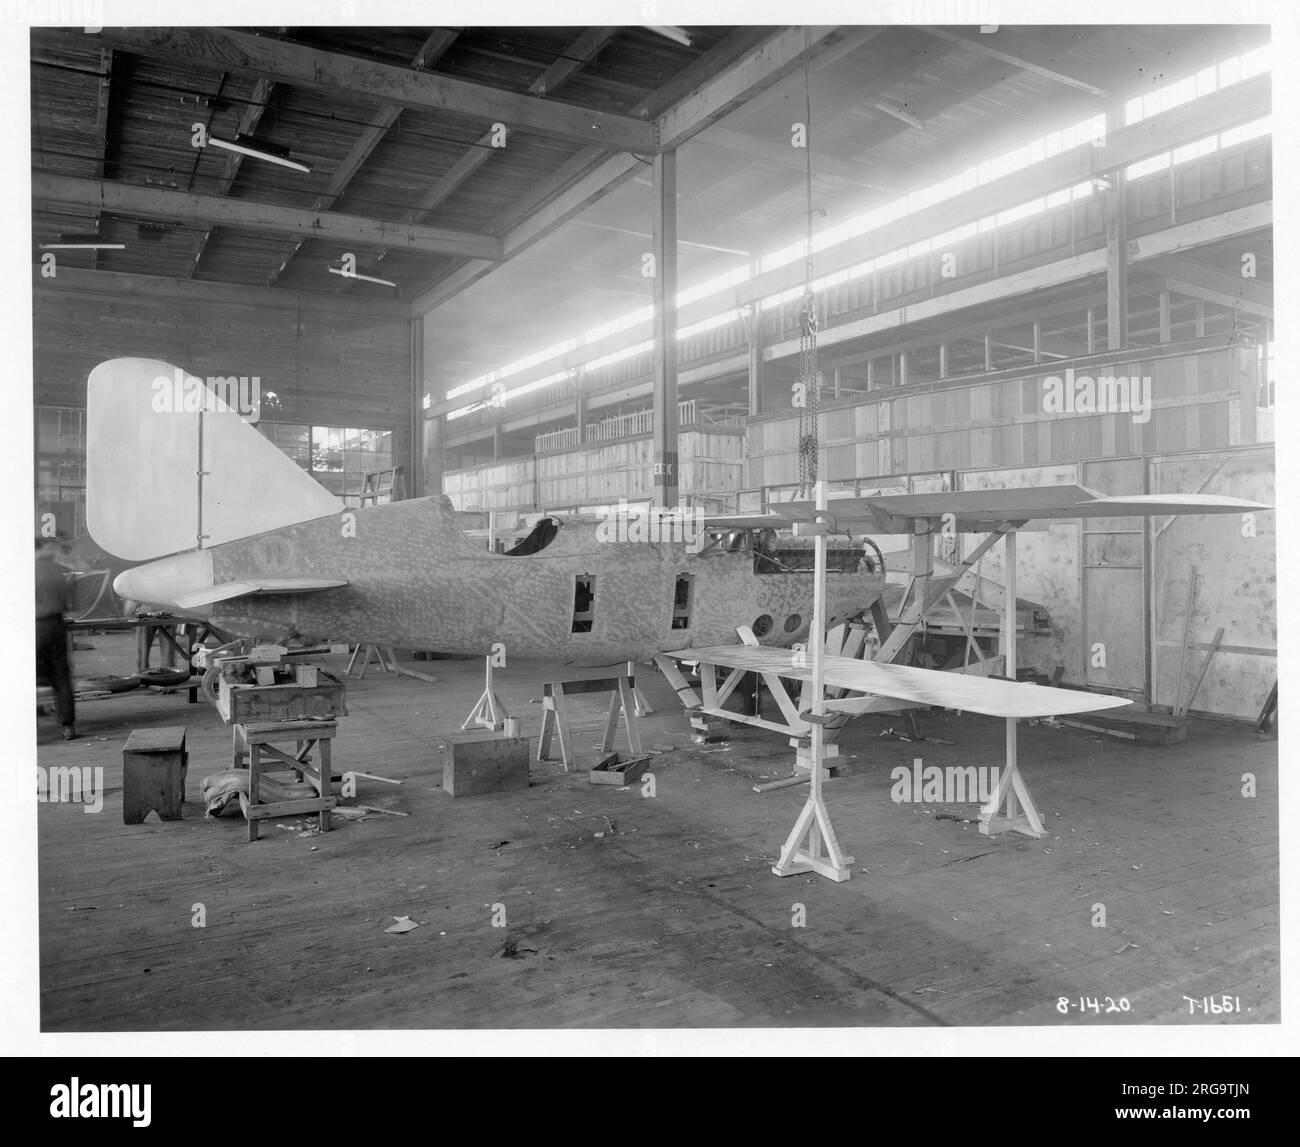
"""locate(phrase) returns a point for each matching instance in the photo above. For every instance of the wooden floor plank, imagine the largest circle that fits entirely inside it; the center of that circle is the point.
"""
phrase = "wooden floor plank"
(623, 911)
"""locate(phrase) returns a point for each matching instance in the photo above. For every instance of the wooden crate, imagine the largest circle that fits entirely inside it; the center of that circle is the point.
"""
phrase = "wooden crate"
(240, 704)
(154, 762)
(615, 771)
(485, 763)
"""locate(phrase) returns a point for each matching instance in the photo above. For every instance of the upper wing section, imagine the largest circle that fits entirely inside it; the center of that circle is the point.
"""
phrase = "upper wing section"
(983, 510)
(906, 683)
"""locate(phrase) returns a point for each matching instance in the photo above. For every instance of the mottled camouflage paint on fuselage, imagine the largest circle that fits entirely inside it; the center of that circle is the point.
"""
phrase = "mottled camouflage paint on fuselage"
(416, 582)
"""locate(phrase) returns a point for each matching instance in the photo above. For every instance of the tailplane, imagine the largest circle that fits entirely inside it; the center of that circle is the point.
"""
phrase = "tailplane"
(173, 463)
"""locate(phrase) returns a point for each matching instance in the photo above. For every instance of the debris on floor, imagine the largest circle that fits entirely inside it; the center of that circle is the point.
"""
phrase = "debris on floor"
(404, 924)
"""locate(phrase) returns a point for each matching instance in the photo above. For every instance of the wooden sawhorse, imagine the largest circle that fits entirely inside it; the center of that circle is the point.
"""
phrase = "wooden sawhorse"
(306, 735)
(555, 717)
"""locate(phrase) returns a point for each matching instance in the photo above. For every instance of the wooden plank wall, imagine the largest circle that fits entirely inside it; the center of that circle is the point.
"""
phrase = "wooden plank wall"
(1237, 587)
(1089, 575)
(598, 474)
(333, 364)
(1198, 402)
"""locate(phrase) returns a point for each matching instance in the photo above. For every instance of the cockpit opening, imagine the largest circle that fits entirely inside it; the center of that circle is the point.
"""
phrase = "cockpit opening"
(541, 536)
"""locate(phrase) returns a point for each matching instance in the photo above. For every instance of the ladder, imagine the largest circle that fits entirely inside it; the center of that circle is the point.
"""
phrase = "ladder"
(383, 486)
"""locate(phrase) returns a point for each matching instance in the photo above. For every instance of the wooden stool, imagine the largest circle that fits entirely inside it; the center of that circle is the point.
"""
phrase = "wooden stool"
(306, 735)
(153, 774)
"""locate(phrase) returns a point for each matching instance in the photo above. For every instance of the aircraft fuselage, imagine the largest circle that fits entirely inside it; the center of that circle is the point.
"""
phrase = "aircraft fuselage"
(416, 582)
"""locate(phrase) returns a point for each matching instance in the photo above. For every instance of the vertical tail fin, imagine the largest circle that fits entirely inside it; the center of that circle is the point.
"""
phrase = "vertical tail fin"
(173, 465)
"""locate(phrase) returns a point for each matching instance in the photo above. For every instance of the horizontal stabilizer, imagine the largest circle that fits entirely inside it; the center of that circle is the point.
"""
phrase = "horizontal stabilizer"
(228, 589)
(985, 695)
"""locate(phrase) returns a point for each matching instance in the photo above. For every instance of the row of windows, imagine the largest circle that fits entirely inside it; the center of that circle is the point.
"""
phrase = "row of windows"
(1209, 80)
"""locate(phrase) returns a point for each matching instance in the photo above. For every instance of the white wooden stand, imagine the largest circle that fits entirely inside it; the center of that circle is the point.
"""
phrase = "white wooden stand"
(811, 845)
(489, 712)
(1003, 812)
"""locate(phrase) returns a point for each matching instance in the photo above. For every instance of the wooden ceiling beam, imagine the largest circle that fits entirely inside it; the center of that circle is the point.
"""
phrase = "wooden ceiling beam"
(264, 218)
(103, 111)
(362, 79)
(1199, 281)
(782, 154)
(583, 50)
(431, 51)
(579, 53)
(248, 122)
(778, 56)
(978, 43)
(114, 286)
(592, 174)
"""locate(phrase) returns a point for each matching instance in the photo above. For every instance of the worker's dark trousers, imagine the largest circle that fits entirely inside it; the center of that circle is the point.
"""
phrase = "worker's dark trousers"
(52, 665)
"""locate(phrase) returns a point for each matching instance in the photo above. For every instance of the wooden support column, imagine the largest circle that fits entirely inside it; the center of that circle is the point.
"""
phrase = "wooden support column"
(1200, 318)
(988, 351)
(1116, 205)
(1166, 335)
(434, 429)
(943, 360)
(1092, 333)
(580, 408)
(902, 368)
(1038, 341)
(415, 463)
(665, 328)
(754, 325)
(497, 438)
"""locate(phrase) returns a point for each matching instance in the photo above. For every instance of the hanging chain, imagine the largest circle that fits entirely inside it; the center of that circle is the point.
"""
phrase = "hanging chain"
(810, 409)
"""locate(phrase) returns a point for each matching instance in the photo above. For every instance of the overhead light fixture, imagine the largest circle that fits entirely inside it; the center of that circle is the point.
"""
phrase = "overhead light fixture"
(267, 151)
(899, 113)
(670, 32)
(82, 243)
(363, 278)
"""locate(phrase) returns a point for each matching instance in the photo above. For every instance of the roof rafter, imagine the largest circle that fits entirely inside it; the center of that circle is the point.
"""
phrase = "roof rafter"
(103, 111)
(433, 49)
(714, 85)
(266, 218)
(363, 79)
(248, 122)
(977, 43)
(575, 57)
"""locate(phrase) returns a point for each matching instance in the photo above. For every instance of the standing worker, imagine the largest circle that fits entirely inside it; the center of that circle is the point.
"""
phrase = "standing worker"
(53, 600)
